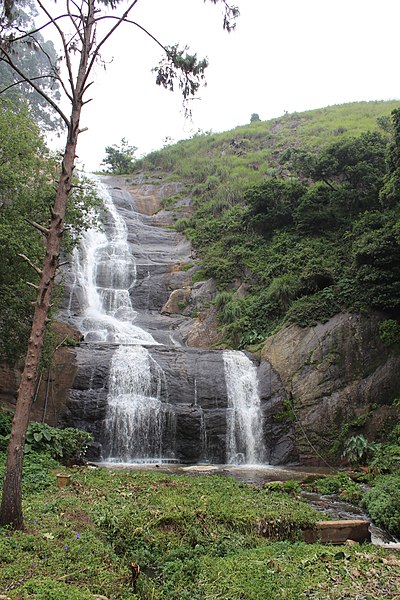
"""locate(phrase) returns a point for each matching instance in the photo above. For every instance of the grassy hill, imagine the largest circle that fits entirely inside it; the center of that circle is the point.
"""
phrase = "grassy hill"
(302, 212)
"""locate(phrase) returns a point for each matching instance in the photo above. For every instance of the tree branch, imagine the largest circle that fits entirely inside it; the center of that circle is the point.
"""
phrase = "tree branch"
(43, 230)
(31, 264)
(32, 84)
(64, 43)
(105, 38)
(24, 81)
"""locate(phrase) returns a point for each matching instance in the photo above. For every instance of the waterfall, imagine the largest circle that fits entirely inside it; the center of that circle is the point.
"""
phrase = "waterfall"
(245, 443)
(146, 398)
(138, 425)
(105, 272)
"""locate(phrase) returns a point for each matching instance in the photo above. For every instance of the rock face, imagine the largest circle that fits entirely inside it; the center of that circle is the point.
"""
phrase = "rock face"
(340, 379)
(54, 383)
(316, 385)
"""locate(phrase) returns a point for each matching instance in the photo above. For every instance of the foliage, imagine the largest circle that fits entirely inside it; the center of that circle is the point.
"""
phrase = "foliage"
(382, 502)
(27, 176)
(36, 474)
(385, 459)
(32, 55)
(390, 192)
(67, 445)
(339, 484)
(193, 536)
(389, 332)
(120, 159)
(357, 450)
(289, 487)
(293, 208)
(5, 427)
(272, 204)
(255, 117)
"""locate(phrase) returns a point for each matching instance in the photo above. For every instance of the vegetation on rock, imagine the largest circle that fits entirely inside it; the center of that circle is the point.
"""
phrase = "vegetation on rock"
(303, 209)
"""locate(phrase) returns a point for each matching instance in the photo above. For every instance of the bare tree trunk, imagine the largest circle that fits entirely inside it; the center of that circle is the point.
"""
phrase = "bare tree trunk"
(11, 505)
(11, 508)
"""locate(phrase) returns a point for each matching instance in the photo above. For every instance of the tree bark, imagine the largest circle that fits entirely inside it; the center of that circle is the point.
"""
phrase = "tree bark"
(11, 505)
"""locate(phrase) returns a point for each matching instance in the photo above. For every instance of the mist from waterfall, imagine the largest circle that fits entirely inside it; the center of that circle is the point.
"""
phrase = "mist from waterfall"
(244, 444)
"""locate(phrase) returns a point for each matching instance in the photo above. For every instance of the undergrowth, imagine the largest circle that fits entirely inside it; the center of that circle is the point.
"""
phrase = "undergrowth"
(194, 537)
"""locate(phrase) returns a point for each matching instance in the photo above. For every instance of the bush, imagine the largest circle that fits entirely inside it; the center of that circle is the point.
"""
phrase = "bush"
(5, 428)
(339, 484)
(382, 503)
(68, 445)
(357, 450)
(385, 459)
(36, 474)
(389, 332)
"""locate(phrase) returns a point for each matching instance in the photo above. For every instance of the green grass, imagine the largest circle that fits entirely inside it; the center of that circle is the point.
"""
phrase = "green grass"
(195, 537)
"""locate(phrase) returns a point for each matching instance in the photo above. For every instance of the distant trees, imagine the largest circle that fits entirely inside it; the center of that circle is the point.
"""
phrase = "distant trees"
(36, 57)
(254, 118)
(120, 159)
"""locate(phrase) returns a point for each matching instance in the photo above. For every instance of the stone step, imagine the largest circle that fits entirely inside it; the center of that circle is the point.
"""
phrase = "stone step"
(337, 532)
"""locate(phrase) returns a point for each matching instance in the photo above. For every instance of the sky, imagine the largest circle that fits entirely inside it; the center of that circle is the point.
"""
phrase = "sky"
(285, 55)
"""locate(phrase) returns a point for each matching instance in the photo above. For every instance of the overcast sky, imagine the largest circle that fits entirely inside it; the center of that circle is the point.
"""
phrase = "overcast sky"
(285, 55)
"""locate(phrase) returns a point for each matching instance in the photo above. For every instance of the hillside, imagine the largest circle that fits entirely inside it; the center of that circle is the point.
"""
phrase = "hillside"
(298, 213)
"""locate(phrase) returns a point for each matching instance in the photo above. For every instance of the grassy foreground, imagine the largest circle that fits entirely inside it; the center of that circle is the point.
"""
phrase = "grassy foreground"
(197, 537)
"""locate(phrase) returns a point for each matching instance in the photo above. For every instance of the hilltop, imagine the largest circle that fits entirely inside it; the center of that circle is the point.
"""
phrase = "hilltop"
(293, 212)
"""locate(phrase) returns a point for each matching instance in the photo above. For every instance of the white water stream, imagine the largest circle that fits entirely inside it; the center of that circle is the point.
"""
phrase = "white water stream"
(105, 274)
(140, 424)
(244, 418)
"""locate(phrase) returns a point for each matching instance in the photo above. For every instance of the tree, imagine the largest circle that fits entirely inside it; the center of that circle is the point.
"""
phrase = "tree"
(120, 159)
(27, 175)
(254, 118)
(33, 55)
(81, 49)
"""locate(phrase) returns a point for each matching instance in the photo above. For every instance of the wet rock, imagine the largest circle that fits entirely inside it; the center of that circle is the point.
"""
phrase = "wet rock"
(334, 374)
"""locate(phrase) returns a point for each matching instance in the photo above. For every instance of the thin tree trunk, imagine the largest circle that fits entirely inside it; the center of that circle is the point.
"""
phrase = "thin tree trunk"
(11, 505)
(11, 508)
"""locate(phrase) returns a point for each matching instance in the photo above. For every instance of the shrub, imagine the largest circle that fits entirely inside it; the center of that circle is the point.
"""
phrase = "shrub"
(383, 503)
(357, 449)
(389, 332)
(386, 459)
(5, 427)
(340, 484)
(67, 445)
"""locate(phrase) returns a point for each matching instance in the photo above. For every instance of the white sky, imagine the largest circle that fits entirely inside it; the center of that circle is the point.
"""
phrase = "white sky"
(285, 55)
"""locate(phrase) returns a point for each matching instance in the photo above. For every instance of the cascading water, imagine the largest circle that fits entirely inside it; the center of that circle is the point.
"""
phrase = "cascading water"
(146, 398)
(245, 443)
(138, 425)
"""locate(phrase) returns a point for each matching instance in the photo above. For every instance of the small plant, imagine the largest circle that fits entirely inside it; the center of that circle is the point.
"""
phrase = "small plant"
(339, 484)
(5, 428)
(357, 450)
(67, 445)
(389, 332)
(385, 459)
(286, 415)
(290, 487)
(200, 275)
